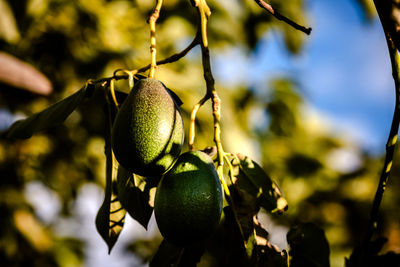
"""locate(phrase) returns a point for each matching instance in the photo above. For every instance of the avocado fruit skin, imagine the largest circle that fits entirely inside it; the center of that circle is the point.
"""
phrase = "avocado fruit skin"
(188, 201)
(148, 133)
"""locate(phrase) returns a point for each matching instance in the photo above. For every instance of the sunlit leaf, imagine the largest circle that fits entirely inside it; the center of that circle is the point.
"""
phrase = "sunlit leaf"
(110, 219)
(309, 246)
(111, 215)
(253, 179)
(134, 195)
(48, 118)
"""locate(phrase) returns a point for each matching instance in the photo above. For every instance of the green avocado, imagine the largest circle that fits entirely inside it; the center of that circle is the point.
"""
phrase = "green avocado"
(148, 133)
(188, 201)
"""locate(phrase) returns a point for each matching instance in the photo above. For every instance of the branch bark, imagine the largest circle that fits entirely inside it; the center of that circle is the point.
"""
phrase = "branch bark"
(279, 16)
(391, 28)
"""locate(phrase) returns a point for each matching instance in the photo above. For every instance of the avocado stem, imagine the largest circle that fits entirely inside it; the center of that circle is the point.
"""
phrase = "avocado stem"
(216, 107)
(112, 91)
(193, 120)
(152, 21)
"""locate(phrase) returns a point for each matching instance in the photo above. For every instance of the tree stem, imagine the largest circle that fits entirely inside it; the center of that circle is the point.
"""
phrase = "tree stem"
(392, 139)
(279, 16)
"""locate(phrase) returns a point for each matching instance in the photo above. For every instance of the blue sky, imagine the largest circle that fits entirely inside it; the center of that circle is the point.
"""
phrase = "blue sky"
(344, 70)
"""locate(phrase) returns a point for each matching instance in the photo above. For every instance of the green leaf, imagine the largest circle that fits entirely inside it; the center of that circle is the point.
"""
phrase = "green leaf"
(134, 195)
(111, 215)
(309, 246)
(50, 117)
(253, 179)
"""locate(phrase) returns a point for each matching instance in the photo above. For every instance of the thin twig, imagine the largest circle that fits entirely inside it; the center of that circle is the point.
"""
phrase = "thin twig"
(279, 16)
(177, 56)
(216, 102)
(192, 131)
(392, 139)
(171, 59)
(112, 91)
(390, 17)
(204, 13)
(152, 21)
(216, 107)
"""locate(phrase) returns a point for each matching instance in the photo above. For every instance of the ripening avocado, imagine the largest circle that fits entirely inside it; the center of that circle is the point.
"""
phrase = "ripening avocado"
(188, 201)
(148, 133)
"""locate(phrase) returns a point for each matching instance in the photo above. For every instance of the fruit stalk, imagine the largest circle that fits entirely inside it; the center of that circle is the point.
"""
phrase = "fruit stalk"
(112, 91)
(171, 59)
(193, 120)
(216, 106)
(204, 14)
(152, 21)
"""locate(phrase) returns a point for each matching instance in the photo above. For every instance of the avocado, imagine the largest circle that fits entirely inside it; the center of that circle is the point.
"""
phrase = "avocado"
(148, 133)
(188, 201)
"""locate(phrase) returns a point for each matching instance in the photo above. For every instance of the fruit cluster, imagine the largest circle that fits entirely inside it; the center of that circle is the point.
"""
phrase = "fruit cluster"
(147, 139)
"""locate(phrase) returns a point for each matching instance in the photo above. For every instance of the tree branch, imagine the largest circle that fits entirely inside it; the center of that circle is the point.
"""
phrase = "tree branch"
(279, 16)
(170, 59)
(389, 14)
(177, 56)
(392, 139)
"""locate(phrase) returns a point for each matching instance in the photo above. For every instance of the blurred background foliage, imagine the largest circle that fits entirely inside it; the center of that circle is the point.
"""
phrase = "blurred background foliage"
(45, 179)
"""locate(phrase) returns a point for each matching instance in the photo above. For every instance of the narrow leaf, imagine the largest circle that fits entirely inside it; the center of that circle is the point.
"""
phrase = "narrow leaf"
(110, 219)
(253, 179)
(111, 215)
(50, 117)
(134, 195)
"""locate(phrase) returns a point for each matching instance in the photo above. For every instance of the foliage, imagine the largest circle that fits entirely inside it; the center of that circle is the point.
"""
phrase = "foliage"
(71, 41)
